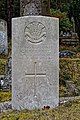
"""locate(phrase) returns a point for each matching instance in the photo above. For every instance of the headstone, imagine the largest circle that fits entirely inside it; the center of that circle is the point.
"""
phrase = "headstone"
(35, 62)
(8, 74)
(34, 7)
(3, 37)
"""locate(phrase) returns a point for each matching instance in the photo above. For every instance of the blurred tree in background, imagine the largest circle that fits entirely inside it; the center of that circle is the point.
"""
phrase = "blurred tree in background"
(63, 9)
(16, 8)
(64, 22)
(3, 9)
(60, 8)
(9, 9)
(74, 11)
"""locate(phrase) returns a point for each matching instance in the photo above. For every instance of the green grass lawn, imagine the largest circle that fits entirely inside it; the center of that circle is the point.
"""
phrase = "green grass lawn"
(75, 49)
(2, 66)
(68, 111)
(69, 71)
(5, 96)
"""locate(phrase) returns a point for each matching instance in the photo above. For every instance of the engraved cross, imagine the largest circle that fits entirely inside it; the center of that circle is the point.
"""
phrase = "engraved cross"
(35, 75)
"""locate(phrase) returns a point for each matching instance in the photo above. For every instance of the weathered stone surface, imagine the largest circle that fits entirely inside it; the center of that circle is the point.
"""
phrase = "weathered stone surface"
(3, 37)
(35, 62)
(8, 74)
(5, 106)
(34, 7)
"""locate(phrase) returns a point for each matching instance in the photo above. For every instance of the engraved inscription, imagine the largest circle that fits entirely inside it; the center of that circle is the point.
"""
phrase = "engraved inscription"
(35, 32)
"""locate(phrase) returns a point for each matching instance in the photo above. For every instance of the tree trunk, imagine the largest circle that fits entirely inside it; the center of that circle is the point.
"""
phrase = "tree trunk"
(9, 17)
(34, 7)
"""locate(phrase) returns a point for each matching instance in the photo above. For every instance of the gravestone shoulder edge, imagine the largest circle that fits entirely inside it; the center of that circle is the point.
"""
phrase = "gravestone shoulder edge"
(40, 16)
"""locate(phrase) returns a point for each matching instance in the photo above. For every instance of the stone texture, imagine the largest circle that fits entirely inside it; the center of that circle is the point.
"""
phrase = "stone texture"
(5, 106)
(35, 62)
(34, 7)
(3, 37)
(8, 74)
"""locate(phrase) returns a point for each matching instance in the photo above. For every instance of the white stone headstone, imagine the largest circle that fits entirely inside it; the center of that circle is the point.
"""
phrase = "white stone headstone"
(35, 62)
(3, 37)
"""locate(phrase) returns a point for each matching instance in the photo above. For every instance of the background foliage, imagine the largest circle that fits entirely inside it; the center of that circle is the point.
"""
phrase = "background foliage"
(69, 73)
(64, 9)
(72, 10)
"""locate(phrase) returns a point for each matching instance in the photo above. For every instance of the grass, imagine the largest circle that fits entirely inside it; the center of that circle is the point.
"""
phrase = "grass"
(69, 71)
(2, 66)
(68, 111)
(75, 49)
(5, 96)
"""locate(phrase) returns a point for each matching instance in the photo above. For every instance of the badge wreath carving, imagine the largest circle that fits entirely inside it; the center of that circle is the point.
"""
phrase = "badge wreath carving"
(35, 32)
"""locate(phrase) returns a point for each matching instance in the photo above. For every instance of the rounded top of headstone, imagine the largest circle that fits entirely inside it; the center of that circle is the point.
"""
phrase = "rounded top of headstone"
(3, 25)
(40, 16)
